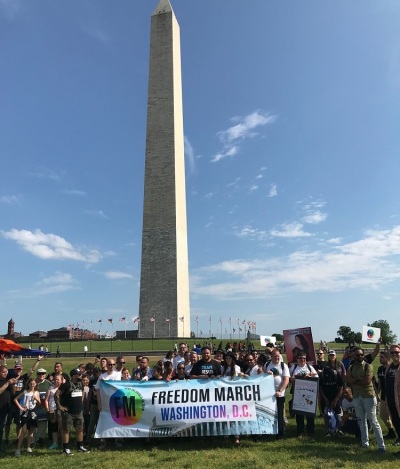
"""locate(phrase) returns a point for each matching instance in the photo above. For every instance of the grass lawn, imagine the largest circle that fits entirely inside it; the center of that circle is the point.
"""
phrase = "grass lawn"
(211, 452)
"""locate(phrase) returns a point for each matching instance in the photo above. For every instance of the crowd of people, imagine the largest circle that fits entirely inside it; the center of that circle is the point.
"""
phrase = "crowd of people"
(46, 406)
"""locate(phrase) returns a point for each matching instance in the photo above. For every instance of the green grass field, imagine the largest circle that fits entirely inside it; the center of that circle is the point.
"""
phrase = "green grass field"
(211, 452)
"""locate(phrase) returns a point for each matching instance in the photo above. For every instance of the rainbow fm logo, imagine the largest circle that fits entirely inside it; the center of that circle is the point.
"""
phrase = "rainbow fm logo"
(370, 334)
(126, 406)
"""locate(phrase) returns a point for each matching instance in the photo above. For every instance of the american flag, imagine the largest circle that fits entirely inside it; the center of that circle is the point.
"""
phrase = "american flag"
(136, 320)
(196, 319)
(166, 319)
(152, 319)
(182, 318)
(99, 320)
(110, 320)
(122, 319)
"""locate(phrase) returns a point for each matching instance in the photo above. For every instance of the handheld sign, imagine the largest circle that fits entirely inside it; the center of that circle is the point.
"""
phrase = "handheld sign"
(371, 334)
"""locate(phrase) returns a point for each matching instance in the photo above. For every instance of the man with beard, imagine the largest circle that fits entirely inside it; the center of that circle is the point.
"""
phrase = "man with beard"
(206, 368)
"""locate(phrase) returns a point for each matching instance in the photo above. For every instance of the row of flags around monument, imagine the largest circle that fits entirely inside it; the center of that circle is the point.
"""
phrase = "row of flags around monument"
(136, 320)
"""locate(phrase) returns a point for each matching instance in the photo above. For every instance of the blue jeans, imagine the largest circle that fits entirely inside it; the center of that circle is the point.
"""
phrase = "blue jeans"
(365, 408)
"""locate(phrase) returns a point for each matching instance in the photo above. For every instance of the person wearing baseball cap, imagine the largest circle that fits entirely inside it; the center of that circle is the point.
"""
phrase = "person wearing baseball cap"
(42, 385)
(69, 399)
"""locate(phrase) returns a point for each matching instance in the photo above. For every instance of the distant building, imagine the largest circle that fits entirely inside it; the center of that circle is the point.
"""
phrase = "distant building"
(70, 333)
(121, 335)
(38, 335)
(11, 334)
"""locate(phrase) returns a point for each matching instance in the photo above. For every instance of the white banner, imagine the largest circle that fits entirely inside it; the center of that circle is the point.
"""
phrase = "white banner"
(135, 409)
(371, 334)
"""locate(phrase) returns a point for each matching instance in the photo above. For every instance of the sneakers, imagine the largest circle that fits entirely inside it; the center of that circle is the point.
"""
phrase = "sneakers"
(17, 453)
(29, 449)
(53, 446)
(67, 452)
(339, 433)
(397, 442)
(381, 451)
(82, 449)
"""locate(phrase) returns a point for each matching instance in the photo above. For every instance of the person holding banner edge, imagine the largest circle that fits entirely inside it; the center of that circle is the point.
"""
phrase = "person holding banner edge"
(280, 372)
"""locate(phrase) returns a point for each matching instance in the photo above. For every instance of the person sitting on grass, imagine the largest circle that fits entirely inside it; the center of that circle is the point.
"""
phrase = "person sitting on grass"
(349, 422)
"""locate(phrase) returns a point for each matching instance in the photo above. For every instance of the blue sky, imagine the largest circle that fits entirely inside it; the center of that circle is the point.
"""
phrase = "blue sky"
(291, 116)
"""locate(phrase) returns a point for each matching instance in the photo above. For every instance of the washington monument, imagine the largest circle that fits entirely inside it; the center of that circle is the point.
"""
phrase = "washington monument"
(164, 309)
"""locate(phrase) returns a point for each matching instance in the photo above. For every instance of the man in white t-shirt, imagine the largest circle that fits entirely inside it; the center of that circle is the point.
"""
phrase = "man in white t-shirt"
(302, 369)
(180, 357)
(110, 375)
(280, 372)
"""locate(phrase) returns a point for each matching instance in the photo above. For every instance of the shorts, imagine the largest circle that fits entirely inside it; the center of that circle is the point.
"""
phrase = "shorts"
(71, 420)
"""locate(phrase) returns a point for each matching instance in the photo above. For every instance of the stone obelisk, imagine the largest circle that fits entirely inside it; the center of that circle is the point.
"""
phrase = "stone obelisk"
(164, 309)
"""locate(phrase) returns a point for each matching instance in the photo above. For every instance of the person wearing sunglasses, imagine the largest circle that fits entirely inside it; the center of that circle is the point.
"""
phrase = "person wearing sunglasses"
(359, 378)
(119, 363)
(392, 387)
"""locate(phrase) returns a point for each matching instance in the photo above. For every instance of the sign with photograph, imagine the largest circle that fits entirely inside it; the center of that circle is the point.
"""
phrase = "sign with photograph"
(299, 340)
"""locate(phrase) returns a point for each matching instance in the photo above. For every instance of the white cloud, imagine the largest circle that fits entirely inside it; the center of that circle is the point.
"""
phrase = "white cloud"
(334, 240)
(273, 190)
(253, 188)
(228, 151)
(10, 199)
(247, 127)
(259, 176)
(190, 156)
(364, 264)
(315, 217)
(290, 230)
(248, 232)
(57, 283)
(50, 246)
(115, 275)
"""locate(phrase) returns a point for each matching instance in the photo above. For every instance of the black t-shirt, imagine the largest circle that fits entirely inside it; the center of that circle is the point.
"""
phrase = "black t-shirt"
(381, 378)
(19, 386)
(213, 367)
(71, 396)
(320, 365)
(92, 386)
(389, 382)
(5, 396)
(330, 382)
